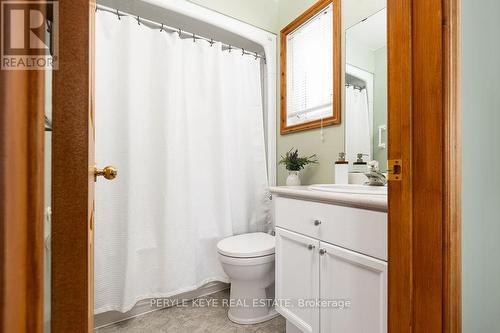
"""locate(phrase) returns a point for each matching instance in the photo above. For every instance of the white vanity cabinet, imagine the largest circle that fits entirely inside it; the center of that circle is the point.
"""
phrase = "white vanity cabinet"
(297, 270)
(336, 255)
(362, 280)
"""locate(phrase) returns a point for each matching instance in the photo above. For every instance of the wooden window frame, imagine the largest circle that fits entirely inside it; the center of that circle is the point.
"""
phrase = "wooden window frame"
(337, 68)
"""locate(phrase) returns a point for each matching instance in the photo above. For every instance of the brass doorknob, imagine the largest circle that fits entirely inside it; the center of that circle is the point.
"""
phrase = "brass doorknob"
(108, 172)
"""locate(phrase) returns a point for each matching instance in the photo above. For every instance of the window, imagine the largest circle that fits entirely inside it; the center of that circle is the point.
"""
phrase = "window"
(310, 70)
(310, 63)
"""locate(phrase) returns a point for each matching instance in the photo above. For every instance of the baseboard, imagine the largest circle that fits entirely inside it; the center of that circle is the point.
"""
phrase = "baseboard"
(144, 306)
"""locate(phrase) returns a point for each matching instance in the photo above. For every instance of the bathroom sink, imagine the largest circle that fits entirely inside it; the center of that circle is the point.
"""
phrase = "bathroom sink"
(350, 189)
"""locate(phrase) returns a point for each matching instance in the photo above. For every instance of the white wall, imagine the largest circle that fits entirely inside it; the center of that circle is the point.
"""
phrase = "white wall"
(359, 55)
(380, 105)
(260, 13)
(481, 162)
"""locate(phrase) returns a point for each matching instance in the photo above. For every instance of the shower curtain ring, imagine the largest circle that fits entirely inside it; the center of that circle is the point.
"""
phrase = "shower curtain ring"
(256, 56)
(138, 20)
(161, 29)
(194, 38)
(211, 42)
(118, 14)
(180, 32)
(230, 48)
(242, 51)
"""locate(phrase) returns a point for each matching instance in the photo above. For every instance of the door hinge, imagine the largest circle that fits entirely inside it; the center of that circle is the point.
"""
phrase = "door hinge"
(394, 169)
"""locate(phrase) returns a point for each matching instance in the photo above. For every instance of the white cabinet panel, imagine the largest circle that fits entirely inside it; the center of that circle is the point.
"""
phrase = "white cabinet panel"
(297, 278)
(296, 215)
(360, 230)
(346, 275)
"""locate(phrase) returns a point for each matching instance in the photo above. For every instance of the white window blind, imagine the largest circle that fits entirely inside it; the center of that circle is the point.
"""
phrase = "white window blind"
(310, 69)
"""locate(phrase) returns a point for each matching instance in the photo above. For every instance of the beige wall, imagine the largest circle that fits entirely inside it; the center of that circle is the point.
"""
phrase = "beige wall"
(273, 15)
(308, 142)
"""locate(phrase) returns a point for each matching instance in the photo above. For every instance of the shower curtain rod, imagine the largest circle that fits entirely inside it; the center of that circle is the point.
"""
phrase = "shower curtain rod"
(181, 33)
(354, 86)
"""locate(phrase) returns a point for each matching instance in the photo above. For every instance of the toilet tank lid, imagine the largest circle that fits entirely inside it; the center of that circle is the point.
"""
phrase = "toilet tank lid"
(250, 245)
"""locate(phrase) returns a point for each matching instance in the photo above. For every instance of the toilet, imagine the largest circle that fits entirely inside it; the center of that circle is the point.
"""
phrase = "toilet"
(248, 260)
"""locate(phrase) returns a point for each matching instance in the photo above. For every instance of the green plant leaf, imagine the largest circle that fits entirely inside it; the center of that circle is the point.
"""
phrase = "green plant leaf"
(294, 162)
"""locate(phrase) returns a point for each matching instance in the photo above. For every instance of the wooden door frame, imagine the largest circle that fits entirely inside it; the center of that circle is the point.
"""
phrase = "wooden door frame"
(424, 207)
(72, 302)
(452, 201)
(21, 200)
(424, 132)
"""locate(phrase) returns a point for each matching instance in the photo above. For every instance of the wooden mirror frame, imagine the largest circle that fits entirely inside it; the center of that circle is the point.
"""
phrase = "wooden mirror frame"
(337, 73)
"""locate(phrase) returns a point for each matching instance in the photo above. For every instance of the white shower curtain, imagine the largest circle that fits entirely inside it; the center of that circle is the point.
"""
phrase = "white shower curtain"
(183, 123)
(358, 139)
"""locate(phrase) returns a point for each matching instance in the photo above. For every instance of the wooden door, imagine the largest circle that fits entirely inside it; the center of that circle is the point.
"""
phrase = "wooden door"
(423, 132)
(347, 276)
(73, 171)
(297, 278)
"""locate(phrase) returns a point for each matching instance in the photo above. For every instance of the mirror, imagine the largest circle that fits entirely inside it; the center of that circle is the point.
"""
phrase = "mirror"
(310, 69)
(366, 83)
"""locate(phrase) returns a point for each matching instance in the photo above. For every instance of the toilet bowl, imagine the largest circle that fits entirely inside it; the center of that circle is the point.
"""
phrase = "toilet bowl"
(248, 260)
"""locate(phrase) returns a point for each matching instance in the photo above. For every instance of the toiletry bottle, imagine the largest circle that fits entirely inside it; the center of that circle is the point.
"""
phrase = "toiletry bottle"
(360, 165)
(341, 170)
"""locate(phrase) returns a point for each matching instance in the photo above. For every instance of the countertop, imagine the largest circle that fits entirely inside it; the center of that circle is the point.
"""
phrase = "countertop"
(364, 201)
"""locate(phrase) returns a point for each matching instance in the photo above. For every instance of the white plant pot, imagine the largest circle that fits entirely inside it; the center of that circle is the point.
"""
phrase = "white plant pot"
(293, 178)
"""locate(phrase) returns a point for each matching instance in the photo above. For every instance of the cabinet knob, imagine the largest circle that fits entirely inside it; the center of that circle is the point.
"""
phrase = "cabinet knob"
(310, 246)
(317, 222)
(322, 251)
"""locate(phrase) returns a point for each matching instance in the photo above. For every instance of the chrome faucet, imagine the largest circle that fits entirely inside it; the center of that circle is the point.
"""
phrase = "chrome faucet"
(375, 177)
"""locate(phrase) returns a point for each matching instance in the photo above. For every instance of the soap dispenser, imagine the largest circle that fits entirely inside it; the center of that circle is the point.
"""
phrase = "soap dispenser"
(360, 165)
(342, 170)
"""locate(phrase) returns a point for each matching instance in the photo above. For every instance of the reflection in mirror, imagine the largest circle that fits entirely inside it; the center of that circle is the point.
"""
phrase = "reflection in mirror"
(308, 63)
(366, 90)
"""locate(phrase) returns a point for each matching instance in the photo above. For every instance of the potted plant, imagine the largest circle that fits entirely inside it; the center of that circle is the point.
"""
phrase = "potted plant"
(294, 164)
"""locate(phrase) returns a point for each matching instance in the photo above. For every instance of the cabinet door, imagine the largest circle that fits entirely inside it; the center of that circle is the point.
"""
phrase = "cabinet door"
(297, 279)
(355, 278)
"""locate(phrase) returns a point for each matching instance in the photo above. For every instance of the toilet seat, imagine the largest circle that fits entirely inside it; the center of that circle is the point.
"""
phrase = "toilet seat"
(251, 245)
(246, 261)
